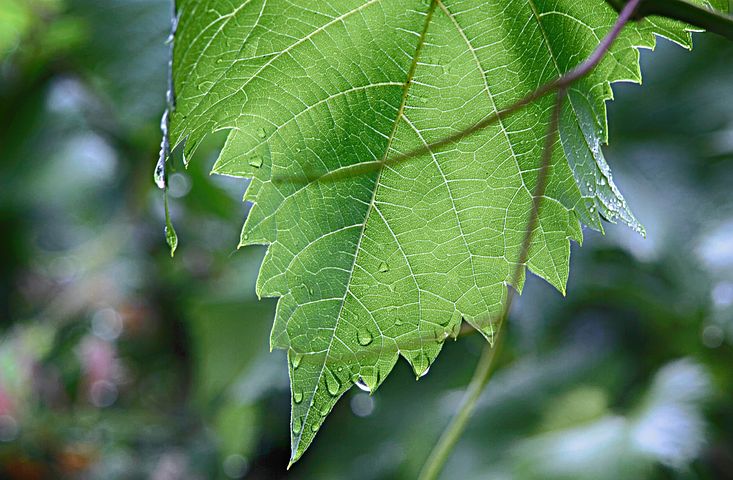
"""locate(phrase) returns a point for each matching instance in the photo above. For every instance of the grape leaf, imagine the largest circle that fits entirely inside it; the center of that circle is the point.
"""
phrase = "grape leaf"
(390, 262)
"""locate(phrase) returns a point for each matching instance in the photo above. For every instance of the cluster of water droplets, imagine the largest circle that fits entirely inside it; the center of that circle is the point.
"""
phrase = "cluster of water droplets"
(605, 197)
(160, 174)
(366, 379)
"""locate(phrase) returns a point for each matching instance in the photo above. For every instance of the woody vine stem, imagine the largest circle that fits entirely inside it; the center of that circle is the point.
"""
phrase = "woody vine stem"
(485, 367)
(629, 10)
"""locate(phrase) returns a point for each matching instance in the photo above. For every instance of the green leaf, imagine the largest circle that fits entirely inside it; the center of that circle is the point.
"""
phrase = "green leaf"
(389, 263)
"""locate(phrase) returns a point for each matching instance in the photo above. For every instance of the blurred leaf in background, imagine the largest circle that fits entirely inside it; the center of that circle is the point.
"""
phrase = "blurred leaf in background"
(118, 362)
(101, 334)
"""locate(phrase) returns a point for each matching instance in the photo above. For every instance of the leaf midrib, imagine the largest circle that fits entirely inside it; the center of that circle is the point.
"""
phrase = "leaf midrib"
(400, 114)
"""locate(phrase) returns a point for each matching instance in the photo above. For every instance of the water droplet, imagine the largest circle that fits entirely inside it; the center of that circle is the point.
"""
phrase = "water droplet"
(362, 385)
(189, 149)
(245, 236)
(315, 427)
(592, 209)
(174, 28)
(295, 360)
(325, 410)
(159, 174)
(440, 334)
(595, 149)
(457, 329)
(297, 396)
(297, 425)
(425, 372)
(171, 237)
(310, 290)
(256, 161)
(364, 337)
(332, 383)
(399, 322)
(261, 133)
(602, 181)
(489, 332)
(384, 267)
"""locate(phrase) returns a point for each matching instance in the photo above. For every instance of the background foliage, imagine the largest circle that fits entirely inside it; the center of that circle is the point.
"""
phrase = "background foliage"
(116, 362)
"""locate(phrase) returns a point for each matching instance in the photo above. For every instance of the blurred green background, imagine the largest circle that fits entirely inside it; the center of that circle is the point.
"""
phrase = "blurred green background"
(118, 362)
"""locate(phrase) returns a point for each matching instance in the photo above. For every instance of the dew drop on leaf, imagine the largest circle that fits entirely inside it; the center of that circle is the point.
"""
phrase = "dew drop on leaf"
(488, 330)
(256, 161)
(261, 133)
(362, 385)
(315, 427)
(456, 329)
(440, 334)
(332, 383)
(298, 396)
(364, 337)
(297, 425)
(171, 237)
(384, 267)
(159, 174)
(296, 358)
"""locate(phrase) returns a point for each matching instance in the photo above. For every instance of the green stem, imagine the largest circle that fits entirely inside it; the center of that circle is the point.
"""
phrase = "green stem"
(485, 368)
(442, 450)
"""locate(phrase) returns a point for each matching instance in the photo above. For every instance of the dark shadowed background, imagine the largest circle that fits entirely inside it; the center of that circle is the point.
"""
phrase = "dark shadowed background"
(118, 362)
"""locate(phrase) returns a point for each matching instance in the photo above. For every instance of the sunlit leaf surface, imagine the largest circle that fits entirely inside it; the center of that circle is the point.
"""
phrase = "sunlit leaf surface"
(388, 263)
